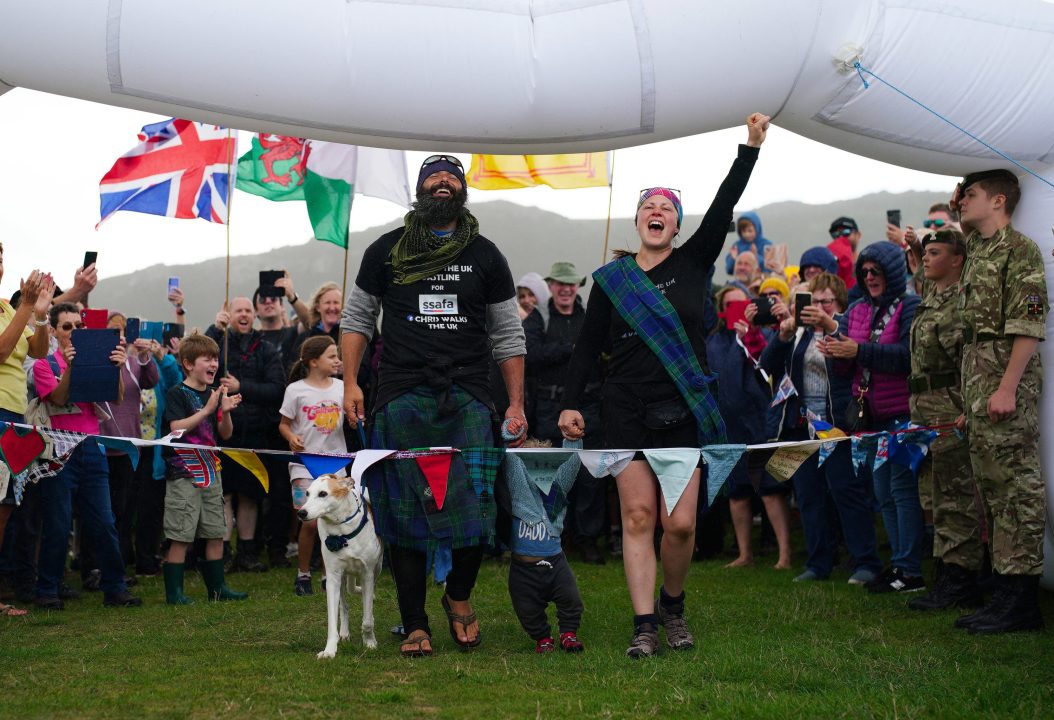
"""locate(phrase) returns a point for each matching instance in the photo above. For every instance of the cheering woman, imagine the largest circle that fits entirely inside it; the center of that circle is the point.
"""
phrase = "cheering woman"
(650, 309)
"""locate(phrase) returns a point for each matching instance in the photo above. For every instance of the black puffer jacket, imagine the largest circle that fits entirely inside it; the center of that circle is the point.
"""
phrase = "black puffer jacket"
(257, 365)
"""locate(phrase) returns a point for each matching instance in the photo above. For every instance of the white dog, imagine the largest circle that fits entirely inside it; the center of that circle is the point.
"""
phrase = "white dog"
(350, 549)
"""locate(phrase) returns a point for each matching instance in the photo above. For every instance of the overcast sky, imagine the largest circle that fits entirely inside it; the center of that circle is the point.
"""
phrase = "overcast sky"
(57, 149)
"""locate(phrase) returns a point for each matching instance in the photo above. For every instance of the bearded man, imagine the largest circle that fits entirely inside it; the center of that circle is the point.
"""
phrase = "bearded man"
(448, 300)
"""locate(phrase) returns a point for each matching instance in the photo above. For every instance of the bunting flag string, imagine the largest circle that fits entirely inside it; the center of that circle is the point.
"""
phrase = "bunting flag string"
(905, 445)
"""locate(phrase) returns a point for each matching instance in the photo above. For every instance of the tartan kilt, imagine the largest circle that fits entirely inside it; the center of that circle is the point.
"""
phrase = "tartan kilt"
(405, 512)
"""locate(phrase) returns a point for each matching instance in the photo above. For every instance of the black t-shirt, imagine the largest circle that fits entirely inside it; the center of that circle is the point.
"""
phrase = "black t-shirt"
(283, 339)
(443, 316)
(181, 402)
(684, 277)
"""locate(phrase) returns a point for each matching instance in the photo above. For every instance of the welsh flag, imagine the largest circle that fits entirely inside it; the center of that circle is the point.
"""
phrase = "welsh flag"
(274, 168)
(335, 172)
(325, 175)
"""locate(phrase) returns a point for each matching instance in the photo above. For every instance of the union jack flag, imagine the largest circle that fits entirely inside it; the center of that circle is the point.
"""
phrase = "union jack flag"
(179, 169)
(204, 465)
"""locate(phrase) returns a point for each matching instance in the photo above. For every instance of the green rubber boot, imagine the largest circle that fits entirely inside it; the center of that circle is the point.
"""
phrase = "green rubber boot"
(174, 584)
(212, 573)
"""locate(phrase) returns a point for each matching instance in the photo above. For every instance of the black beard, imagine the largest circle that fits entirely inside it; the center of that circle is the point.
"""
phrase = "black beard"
(438, 212)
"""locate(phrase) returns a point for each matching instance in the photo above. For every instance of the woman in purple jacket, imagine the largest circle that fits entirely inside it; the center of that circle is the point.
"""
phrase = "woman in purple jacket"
(873, 345)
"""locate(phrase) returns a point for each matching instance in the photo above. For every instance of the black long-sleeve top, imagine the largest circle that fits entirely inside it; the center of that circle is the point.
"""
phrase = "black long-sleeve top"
(683, 277)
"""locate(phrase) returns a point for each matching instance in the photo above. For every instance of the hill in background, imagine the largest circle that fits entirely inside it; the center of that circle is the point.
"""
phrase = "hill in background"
(531, 239)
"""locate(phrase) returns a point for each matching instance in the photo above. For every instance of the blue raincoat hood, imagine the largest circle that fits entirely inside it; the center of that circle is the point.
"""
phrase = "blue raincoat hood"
(891, 259)
(754, 218)
(820, 257)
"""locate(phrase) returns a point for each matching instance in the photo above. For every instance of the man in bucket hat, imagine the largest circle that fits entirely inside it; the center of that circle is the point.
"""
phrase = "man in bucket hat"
(551, 337)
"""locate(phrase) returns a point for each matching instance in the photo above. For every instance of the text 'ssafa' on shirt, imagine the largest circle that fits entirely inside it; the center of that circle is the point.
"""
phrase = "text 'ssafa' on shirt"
(442, 316)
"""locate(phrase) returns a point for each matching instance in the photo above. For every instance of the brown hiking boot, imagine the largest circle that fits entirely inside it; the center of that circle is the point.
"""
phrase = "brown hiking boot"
(678, 636)
(645, 642)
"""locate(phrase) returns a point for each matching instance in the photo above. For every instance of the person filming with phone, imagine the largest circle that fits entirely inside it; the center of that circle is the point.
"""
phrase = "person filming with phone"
(807, 390)
(873, 348)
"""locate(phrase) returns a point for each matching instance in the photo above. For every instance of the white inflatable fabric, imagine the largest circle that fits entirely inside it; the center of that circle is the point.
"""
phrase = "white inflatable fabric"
(545, 76)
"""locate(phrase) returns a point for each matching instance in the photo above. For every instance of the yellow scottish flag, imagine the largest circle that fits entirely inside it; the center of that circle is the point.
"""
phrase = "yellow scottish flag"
(562, 172)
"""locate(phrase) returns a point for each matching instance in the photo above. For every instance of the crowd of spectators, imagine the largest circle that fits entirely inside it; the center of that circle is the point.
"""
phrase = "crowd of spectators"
(793, 348)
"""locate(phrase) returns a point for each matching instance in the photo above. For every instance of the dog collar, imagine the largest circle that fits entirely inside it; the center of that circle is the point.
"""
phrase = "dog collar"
(336, 542)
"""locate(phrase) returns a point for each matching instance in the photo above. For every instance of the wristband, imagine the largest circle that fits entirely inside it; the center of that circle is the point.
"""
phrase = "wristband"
(293, 300)
(180, 311)
(40, 323)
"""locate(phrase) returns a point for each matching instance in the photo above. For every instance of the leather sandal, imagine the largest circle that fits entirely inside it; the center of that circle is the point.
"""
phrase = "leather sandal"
(413, 646)
(12, 611)
(465, 620)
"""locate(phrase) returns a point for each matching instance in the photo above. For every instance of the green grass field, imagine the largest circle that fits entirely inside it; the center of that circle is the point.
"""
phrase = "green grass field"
(765, 648)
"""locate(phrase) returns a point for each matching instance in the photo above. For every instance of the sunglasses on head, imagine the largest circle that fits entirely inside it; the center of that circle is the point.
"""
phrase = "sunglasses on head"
(841, 232)
(872, 271)
(67, 326)
(938, 223)
(439, 158)
(645, 191)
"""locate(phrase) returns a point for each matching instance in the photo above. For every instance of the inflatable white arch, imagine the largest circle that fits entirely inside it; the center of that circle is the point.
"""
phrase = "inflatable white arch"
(538, 76)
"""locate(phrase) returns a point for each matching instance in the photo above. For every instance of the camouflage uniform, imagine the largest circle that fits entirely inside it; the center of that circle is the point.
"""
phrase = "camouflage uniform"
(945, 480)
(1003, 293)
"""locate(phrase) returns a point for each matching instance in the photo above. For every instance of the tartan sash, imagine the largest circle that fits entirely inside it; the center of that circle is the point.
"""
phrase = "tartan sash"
(656, 322)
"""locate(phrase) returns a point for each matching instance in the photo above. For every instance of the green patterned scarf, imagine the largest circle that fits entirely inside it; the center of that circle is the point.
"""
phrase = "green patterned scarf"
(420, 253)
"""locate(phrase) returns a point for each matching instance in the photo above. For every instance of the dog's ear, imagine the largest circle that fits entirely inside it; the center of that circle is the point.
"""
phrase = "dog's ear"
(337, 486)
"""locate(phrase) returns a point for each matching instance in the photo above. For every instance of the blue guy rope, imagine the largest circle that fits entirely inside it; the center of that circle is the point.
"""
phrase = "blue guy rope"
(860, 69)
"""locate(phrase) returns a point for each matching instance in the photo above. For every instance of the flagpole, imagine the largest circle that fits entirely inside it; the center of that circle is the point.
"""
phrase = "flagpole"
(611, 192)
(227, 289)
(347, 244)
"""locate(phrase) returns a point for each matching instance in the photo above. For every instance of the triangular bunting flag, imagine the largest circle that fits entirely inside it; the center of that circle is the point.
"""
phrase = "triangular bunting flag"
(600, 463)
(251, 462)
(322, 464)
(881, 450)
(20, 447)
(786, 460)
(121, 445)
(65, 442)
(436, 469)
(859, 452)
(20, 482)
(483, 465)
(825, 452)
(363, 460)
(541, 467)
(673, 468)
(203, 465)
(720, 461)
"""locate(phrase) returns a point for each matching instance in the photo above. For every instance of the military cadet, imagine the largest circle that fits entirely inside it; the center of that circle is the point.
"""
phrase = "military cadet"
(945, 479)
(1003, 302)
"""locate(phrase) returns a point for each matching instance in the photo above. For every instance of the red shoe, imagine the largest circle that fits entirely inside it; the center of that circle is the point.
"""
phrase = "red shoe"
(570, 643)
(545, 645)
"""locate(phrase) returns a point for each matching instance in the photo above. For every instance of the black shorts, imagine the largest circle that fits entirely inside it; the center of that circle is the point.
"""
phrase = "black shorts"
(236, 479)
(622, 417)
(749, 478)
